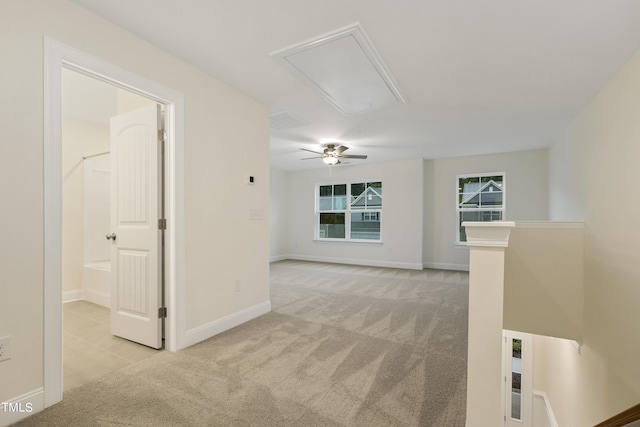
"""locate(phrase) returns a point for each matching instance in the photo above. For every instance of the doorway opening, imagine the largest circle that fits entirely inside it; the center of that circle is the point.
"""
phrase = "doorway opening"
(57, 57)
(91, 348)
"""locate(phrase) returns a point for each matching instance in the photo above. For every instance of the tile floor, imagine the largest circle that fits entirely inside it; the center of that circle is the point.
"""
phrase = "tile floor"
(89, 349)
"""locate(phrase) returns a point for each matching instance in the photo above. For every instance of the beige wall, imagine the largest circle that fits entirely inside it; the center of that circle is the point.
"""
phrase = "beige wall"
(593, 172)
(526, 198)
(543, 279)
(222, 245)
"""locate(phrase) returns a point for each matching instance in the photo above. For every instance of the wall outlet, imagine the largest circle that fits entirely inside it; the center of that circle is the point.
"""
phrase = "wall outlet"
(5, 348)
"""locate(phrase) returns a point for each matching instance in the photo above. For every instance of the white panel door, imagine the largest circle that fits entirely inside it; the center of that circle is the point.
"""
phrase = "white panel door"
(136, 293)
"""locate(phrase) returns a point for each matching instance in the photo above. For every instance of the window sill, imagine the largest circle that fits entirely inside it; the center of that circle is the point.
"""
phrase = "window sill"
(352, 241)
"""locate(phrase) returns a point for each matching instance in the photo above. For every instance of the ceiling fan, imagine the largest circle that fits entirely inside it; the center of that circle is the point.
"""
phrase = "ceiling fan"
(332, 154)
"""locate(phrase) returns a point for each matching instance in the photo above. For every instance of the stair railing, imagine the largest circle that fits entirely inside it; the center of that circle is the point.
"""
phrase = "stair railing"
(623, 418)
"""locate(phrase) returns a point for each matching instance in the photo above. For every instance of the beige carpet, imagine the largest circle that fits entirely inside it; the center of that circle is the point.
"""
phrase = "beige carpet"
(344, 346)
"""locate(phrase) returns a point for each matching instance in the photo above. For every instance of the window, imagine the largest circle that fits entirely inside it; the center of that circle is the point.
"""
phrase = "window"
(480, 198)
(349, 211)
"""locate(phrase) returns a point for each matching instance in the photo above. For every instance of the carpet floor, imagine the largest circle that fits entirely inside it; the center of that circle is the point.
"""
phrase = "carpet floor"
(343, 346)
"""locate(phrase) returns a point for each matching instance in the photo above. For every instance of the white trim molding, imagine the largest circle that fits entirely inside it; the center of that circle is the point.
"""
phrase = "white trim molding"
(277, 258)
(216, 327)
(550, 225)
(446, 266)
(488, 234)
(357, 261)
(69, 296)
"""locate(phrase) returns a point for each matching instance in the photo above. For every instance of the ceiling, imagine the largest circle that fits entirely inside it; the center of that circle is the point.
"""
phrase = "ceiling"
(478, 77)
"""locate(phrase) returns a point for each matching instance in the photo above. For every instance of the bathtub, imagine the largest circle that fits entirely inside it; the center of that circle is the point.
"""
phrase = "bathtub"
(96, 282)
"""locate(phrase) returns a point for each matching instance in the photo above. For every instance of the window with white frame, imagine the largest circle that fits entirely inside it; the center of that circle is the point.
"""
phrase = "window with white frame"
(481, 197)
(349, 211)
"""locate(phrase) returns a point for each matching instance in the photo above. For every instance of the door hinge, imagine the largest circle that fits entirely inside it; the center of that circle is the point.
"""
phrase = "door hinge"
(162, 224)
(162, 312)
(162, 135)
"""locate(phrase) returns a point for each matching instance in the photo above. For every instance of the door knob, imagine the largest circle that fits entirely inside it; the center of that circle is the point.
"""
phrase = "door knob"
(111, 236)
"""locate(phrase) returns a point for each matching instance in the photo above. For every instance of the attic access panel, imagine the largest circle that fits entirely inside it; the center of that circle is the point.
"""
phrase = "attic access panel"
(345, 69)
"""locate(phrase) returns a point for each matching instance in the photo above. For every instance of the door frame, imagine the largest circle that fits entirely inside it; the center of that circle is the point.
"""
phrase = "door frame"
(56, 57)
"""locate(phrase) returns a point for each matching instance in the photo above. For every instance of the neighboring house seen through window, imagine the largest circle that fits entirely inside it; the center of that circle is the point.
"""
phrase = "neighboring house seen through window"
(481, 197)
(349, 211)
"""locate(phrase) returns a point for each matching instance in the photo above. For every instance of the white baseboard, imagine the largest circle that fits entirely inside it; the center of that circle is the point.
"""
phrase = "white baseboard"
(355, 261)
(216, 327)
(98, 298)
(72, 295)
(91, 296)
(551, 417)
(21, 407)
(446, 266)
(277, 258)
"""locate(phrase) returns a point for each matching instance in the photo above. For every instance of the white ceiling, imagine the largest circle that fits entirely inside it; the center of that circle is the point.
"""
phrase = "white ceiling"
(479, 76)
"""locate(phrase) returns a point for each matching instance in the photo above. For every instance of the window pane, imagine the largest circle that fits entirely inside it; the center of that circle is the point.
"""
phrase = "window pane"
(331, 226)
(326, 190)
(476, 216)
(357, 189)
(365, 225)
(516, 378)
(369, 198)
(374, 200)
(325, 203)
(490, 198)
(469, 200)
(468, 184)
(340, 203)
(340, 190)
(497, 179)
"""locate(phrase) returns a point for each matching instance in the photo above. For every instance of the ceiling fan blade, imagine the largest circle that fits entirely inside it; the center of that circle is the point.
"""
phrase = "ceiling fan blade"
(340, 149)
(311, 151)
(309, 158)
(353, 156)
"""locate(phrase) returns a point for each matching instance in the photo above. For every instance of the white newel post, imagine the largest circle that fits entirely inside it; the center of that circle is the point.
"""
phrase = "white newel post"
(487, 242)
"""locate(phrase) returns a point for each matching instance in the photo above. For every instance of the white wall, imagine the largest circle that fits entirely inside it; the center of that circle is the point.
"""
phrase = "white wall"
(279, 215)
(526, 198)
(428, 189)
(593, 171)
(401, 219)
(80, 138)
(222, 246)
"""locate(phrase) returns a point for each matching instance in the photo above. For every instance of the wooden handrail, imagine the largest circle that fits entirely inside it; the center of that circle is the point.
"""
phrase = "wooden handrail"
(623, 418)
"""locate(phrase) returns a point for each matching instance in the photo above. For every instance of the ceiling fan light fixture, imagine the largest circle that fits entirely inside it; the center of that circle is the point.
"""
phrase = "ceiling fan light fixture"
(330, 160)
